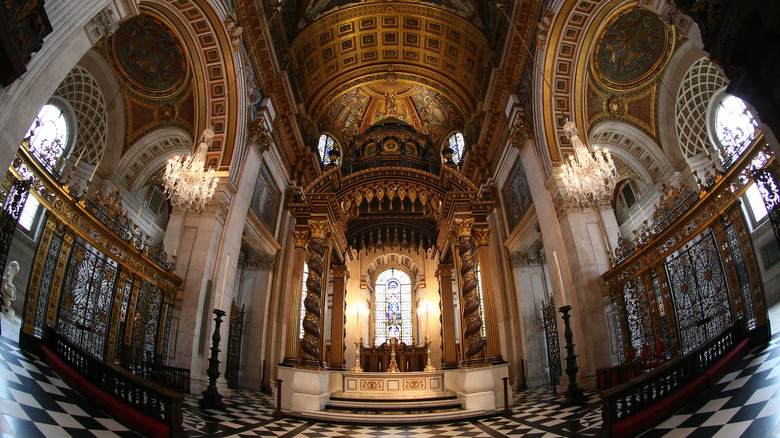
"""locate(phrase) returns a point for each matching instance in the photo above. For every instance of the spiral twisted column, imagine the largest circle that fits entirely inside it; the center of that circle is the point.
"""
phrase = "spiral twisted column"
(472, 316)
(311, 355)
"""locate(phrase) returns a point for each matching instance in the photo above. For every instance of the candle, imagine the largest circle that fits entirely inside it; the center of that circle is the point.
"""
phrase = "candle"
(149, 233)
(93, 173)
(632, 220)
(138, 216)
(560, 279)
(79, 158)
(606, 242)
(641, 211)
(224, 276)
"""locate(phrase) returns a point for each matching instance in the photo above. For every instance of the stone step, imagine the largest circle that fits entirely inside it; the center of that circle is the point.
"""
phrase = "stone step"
(394, 417)
(390, 405)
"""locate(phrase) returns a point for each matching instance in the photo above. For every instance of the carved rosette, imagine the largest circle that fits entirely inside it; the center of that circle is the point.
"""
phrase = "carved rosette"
(310, 350)
(472, 327)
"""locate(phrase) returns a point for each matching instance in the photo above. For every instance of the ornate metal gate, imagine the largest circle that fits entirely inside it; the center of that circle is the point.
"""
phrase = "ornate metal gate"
(549, 317)
(233, 362)
(9, 216)
(699, 290)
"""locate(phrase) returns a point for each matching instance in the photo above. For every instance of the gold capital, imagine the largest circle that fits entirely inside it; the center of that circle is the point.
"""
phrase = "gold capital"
(340, 271)
(444, 270)
(300, 238)
(482, 236)
(463, 227)
(320, 228)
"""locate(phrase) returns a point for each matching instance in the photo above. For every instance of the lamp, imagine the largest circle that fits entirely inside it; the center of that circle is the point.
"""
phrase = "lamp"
(186, 182)
(590, 177)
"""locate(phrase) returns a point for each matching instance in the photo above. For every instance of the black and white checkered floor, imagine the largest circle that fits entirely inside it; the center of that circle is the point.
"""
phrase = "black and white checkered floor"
(34, 402)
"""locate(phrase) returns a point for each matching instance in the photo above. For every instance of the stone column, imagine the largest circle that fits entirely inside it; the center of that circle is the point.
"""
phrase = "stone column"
(340, 275)
(449, 355)
(311, 353)
(472, 341)
(292, 343)
(482, 238)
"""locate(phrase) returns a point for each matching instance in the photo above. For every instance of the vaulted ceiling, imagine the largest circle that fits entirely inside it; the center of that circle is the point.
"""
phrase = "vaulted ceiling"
(347, 64)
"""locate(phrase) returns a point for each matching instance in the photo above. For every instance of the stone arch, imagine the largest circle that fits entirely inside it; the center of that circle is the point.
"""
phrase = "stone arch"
(150, 153)
(632, 147)
(201, 27)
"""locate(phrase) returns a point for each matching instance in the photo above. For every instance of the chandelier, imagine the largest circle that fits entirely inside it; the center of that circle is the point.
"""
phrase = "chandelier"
(186, 182)
(590, 177)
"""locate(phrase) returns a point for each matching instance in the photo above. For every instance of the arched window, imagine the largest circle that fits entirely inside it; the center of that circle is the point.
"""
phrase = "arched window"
(393, 317)
(458, 146)
(48, 136)
(735, 127)
(303, 298)
(325, 145)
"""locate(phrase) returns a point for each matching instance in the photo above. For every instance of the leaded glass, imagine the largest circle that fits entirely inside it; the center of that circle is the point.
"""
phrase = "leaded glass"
(324, 146)
(393, 318)
(457, 144)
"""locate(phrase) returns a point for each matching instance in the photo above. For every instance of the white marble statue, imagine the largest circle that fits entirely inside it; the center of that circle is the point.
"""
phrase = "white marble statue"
(9, 290)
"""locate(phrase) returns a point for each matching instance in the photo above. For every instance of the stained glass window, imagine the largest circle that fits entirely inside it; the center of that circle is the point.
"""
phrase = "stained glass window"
(325, 145)
(303, 297)
(457, 144)
(393, 318)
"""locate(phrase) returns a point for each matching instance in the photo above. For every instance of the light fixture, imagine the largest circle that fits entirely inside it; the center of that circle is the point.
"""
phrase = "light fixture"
(589, 177)
(186, 182)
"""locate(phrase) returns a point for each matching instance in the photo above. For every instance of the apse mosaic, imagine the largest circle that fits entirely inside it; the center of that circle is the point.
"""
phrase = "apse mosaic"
(149, 55)
(426, 110)
(517, 195)
(633, 46)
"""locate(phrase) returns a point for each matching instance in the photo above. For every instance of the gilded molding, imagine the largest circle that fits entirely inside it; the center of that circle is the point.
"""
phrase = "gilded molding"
(300, 238)
(482, 236)
(320, 229)
(444, 270)
(463, 227)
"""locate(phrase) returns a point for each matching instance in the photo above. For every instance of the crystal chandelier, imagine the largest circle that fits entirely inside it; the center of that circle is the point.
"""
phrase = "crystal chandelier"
(590, 177)
(186, 182)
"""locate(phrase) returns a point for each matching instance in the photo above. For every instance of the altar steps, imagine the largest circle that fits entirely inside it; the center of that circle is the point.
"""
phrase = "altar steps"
(342, 409)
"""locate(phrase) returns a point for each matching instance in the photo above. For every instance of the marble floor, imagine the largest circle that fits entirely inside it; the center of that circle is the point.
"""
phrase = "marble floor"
(34, 402)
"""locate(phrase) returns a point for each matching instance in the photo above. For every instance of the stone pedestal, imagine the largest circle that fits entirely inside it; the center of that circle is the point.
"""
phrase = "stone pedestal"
(304, 390)
(483, 388)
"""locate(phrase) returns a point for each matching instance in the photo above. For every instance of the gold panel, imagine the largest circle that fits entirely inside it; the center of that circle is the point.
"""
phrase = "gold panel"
(401, 37)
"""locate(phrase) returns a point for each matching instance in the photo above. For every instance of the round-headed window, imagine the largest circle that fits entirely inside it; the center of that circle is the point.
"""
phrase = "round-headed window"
(735, 127)
(48, 134)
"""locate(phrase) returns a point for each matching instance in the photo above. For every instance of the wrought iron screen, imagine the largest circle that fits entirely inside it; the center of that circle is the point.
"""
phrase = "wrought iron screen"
(770, 192)
(638, 313)
(127, 291)
(146, 322)
(235, 333)
(47, 278)
(699, 291)
(550, 321)
(9, 216)
(85, 304)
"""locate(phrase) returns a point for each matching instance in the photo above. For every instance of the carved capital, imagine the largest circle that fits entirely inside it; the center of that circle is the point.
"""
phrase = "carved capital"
(259, 134)
(463, 227)
(444, 270)
(319, 229)
(482, 236)
(340, 271)
(300, 238)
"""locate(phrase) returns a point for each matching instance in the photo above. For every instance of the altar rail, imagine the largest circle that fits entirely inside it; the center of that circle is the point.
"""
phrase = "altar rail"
(145, 397)
(631, 398)
(177, 379)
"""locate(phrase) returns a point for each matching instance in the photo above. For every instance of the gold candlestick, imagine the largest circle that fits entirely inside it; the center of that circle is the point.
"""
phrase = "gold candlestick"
(356, 368)
(428, 366)
(393, 368)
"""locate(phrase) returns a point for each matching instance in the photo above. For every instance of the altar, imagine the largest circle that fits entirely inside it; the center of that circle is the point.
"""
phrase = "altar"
(411, 385)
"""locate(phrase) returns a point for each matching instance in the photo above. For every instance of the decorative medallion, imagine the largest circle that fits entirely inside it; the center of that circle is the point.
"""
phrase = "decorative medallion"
(632, 49)
(390, 147)
(149, 56)
(615, 106)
